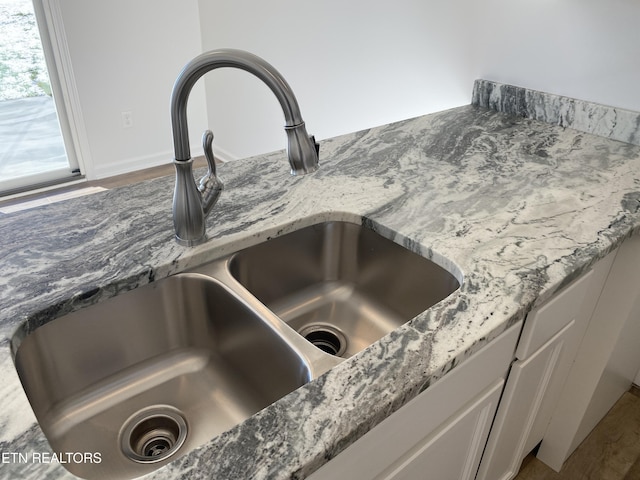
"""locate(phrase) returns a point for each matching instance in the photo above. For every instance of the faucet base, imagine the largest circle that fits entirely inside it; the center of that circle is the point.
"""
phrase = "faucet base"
(190, 243)
(188, 213)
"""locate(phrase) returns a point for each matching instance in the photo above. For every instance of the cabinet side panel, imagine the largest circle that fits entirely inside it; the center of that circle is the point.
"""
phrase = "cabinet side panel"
(617, 377)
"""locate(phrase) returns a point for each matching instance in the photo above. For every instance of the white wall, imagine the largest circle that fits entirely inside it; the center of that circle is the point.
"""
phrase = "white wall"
(352, 65)
(363, 63)
(587, 49)
(125, 57)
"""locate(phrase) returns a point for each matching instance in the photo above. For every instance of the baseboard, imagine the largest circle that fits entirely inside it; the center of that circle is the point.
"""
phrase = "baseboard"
(137, 163)
(149, 161)
(223, 155)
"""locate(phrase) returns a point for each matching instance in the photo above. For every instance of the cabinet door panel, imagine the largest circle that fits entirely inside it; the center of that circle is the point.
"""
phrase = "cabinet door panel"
(442, 455)
(544, 322)
(607, 359)
(517, 417)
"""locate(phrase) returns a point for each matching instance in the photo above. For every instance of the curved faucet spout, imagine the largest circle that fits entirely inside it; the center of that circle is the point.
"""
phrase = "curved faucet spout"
(206, 62)
(188, 209)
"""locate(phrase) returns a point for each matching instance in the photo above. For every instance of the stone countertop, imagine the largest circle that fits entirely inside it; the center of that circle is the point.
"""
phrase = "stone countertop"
(518, 207)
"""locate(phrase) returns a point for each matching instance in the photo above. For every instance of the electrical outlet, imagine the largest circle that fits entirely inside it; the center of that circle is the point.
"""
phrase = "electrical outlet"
(127, 119)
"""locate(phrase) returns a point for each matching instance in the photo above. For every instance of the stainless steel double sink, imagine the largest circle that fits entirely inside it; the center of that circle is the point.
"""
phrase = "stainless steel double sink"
(149, 375)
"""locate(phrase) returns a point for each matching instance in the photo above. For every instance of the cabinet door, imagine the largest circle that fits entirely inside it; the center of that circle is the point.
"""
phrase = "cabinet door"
(607, 360)
(544, 322)
(443, 430)
(523, 400)
(454, 451)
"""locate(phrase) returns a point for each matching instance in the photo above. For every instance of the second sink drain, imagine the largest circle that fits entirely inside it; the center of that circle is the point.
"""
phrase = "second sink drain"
(153, 434)
(326, 338)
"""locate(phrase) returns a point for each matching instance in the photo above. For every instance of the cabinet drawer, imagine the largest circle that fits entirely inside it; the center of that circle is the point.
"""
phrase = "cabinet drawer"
(544, 322)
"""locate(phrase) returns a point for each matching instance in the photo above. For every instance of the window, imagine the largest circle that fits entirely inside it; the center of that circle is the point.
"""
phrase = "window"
(37, 145)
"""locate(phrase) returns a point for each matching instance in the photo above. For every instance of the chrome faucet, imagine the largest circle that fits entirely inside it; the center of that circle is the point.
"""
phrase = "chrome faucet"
(192, 203)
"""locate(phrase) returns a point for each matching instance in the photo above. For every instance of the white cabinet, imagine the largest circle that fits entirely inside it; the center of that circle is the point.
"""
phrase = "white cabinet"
(453, 451)
(545, 352)
(441, 433)
(512, 434)
(607, 361)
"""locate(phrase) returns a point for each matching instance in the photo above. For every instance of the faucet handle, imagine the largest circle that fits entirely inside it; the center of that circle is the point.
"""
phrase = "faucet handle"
(207, 145)
(210, 186)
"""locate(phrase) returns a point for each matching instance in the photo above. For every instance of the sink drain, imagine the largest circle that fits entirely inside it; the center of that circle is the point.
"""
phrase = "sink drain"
(326, 338)
(153, 434)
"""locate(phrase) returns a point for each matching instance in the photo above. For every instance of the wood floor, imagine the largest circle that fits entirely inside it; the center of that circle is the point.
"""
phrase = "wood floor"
(610, 452)
(110, 182)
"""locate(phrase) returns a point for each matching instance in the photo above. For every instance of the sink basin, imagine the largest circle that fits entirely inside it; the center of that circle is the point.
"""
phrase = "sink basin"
(340, 285)
(149, 375)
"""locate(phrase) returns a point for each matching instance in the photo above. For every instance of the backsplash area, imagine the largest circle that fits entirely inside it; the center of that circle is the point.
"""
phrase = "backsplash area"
(614, 123)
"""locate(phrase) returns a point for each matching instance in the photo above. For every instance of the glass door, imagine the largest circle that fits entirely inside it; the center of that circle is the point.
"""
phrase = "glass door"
(32, 147)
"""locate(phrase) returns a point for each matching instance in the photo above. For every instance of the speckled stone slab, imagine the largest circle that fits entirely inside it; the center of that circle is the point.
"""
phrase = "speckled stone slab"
(515, 206)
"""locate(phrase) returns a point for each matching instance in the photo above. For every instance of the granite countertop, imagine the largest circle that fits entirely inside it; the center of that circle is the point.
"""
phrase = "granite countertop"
(518, 206)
